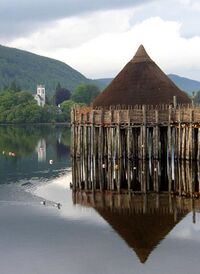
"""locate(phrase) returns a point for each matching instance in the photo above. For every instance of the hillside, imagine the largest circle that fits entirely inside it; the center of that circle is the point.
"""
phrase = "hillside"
(185, 84)
(28, 70)
(103, 82)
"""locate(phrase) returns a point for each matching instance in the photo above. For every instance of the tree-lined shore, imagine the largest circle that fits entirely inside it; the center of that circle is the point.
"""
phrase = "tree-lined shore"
(18, 106)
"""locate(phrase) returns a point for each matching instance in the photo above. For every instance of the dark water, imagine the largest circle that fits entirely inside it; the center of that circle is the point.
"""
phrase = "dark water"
(87, 233)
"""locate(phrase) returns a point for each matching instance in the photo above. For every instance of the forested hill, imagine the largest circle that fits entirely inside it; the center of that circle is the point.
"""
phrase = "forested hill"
(27, 70)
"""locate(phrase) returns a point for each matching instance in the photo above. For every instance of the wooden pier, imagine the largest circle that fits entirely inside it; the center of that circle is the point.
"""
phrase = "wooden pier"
(109, 144)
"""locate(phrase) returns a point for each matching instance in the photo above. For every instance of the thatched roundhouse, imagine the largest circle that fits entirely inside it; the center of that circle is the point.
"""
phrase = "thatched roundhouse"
(141, 82)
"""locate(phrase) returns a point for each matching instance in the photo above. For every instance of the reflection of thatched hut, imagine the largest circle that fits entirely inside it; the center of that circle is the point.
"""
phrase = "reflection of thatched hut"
(142, 232)
(141, 82)
(142, 221)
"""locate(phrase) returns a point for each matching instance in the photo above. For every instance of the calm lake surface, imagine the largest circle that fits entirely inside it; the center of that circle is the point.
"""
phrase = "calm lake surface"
(85, 234)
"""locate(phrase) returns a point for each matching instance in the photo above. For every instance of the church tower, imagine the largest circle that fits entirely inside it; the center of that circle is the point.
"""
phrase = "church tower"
(40, 96)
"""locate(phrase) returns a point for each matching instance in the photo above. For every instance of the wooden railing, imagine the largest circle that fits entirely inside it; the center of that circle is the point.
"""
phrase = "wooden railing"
(149, 115)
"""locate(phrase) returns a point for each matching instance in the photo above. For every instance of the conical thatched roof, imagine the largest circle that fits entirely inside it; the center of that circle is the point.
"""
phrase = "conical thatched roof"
(140, 82)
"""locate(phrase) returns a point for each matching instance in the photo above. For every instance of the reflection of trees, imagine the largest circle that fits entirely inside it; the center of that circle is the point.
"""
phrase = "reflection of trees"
(22, 140)
(61, 142)
(61, 149)
(65, 136)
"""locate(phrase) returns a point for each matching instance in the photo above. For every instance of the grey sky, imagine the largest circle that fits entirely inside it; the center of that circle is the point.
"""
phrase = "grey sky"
(18, 17)
(98, 37)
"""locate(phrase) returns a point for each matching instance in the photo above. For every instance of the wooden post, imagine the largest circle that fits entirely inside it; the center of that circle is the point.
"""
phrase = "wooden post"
(169, 133)
(93, 150)
(187, 145)
(118, 151)
(144, 133)
(129, 136)
(198, 151)
(183, 142)
(156, 137)
(179, 135)
(100, 148)
(192, 153)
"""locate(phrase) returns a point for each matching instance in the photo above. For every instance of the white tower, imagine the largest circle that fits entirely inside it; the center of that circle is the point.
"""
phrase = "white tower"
(41, 94)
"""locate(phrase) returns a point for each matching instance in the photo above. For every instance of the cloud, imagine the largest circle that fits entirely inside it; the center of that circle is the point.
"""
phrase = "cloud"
(20, 17)
(184, 11)
(75, 31)
(99, 37)
(100, 45)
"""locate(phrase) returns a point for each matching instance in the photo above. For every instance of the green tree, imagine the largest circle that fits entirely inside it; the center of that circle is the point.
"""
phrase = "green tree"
(14, 87)
(19, 107)
(85, 94)
(61, 95)
(66, 107)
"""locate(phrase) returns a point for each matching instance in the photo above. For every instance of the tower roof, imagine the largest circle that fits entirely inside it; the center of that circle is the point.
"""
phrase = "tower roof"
(140, 82)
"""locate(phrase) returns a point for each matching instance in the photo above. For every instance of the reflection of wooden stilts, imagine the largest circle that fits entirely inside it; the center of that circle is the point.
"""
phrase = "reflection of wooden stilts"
(169, 174)
(170, 204)
(189, 172)
(145, 204)
(175, 212)
(155, 176)
(143, 177)
(129, 174)
(179, 179)
(193, 212)
(157, 201)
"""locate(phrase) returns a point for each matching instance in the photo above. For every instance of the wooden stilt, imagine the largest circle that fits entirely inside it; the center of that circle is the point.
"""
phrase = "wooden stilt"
(105, 144)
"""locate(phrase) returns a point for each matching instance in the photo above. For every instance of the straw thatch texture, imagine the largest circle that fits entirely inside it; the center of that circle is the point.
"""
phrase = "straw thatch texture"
(140, 82)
